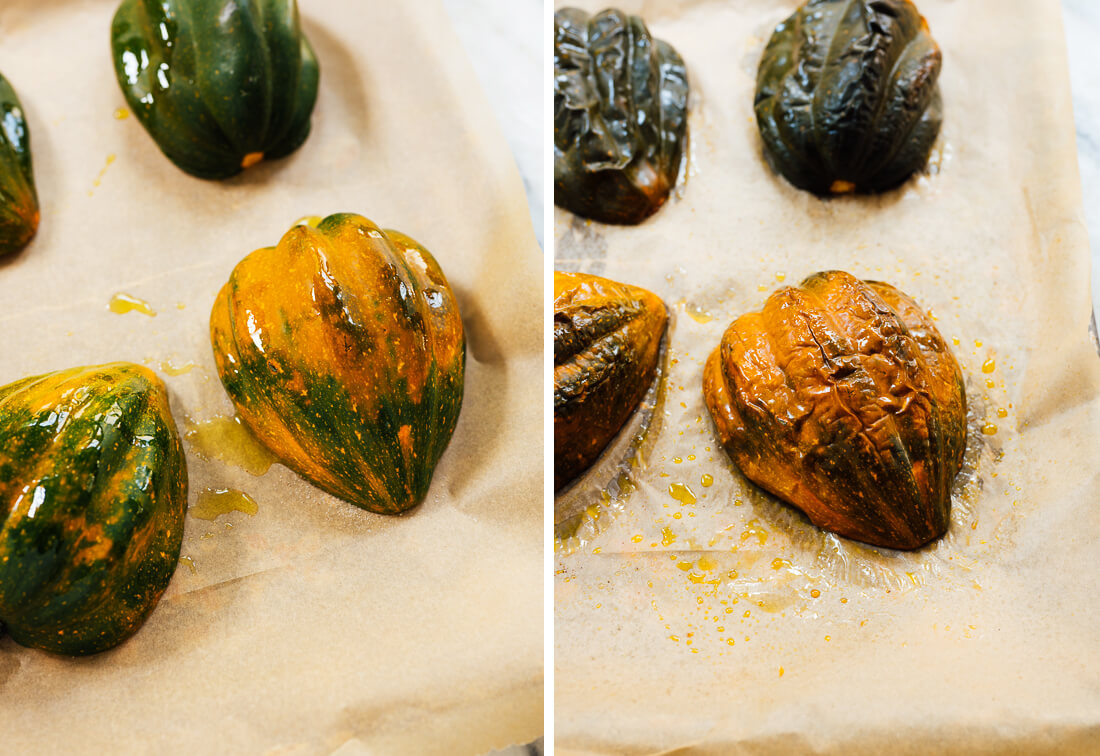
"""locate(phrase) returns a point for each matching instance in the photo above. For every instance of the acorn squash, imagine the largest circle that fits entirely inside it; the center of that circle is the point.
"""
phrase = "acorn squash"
(607, 338)
(343, 351)
(620, 116)
(218, 84)
(93, 491)
(847, 97)
(841, 398)
(18, 197)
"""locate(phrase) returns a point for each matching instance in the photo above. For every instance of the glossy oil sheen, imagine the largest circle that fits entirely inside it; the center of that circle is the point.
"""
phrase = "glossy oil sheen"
(93, 490)
(343, 351)
(620, 116)
(841, 398)
(847, 97)
(607, 338)
(18, 196)
(218, 84)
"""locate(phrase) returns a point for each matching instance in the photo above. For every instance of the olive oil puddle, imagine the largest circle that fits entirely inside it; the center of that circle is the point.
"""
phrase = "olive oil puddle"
(228, 440)
(122, 303)
(215, 502)
(603, 489)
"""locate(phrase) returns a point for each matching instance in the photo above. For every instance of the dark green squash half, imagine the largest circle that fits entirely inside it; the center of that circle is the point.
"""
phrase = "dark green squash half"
(218, 84)
(93, 491)
(18, 197)
(847, 96)
(344, 353)
(620, 116)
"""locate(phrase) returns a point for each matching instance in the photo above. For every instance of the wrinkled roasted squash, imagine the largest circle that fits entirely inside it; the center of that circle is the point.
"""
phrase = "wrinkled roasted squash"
(847, 96)
(841, 398)
(607, 338)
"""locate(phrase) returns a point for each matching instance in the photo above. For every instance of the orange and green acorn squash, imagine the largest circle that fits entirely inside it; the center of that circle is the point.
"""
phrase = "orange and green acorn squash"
(93, 491)
(847, 96)
(219, 84)
(620, 116)
(343, 351)
(841, 398)
(18, 197)
(607, 338)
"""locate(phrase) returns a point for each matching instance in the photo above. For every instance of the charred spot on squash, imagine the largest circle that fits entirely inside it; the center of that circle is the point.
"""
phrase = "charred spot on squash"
(841, 398)
(847, 97)
(344, 353)
(620, 116)
(607, 338)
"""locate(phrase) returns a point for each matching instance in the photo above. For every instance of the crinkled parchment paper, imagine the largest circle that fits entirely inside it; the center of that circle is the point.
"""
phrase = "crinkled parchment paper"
(310, 626)
(696, 618)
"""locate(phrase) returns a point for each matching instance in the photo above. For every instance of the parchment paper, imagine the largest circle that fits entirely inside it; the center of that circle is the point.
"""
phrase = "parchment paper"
(312, 626)
(731, 625)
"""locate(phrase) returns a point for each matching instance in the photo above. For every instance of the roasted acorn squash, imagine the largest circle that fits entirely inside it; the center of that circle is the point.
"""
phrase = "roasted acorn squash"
(343, 351)
(841, 398)
(93, 491)
(218, 84)
(847, 96)
(607, 338)
(18, 198)
(620, 116)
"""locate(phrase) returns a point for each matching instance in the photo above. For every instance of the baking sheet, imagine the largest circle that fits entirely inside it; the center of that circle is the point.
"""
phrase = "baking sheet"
(729, 624)
(311, 626)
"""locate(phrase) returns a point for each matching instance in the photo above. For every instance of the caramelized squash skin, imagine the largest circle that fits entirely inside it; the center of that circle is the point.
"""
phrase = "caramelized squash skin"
(841, 398)
(343, 351)
(607, 338)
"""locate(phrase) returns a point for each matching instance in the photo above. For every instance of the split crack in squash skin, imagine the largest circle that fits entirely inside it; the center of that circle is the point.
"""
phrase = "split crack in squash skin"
(18, 196)
(847, 96)
(93, 492)
(841, 398)
(219, 84)
(344, 353)
(607, 338)
(620, 116)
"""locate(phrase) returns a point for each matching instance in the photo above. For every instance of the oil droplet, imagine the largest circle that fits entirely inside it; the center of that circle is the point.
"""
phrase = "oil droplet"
(815, 593)
(676, 460)
(215, 502)
(706, 564)
(122, 114)
(170, 368)
(990, 383)
(313, 221)
(190, 564)
(754, 530)
(828, 638)
(667, 537)
(695, 577)
(977, 343)
(730, 641)
(778, 564)
(691, 458)
(225, 438)
(681, 493)
(1002, 412)
(780, 276)
(180, 306)
(699, 316)
(102, 173)
(955, 340)
(989, 365)
(122, 303)
(706, 481)
(989, 429)
(637, 539)
(780, 671)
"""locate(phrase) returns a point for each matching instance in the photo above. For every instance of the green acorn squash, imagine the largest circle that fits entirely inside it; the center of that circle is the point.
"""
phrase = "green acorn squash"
(841, 398)
(218, 84)
(93, 491)
(343, 351)
(847, 96)
(607, 338)
(620, 116)
(18, 197)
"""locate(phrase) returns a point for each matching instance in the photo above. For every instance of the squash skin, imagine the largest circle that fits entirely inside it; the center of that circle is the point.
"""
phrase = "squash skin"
(607, 338)
(93, 492)
(847, 97)
(18, 197)
(619, 132)
(344, 353)
(218, 84)
(841, 398)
